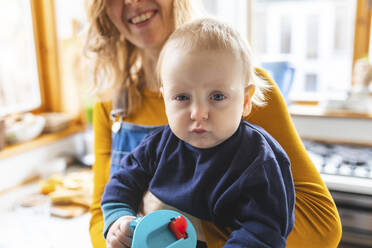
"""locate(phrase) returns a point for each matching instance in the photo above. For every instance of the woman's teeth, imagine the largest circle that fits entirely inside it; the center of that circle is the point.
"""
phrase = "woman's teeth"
(142, 18)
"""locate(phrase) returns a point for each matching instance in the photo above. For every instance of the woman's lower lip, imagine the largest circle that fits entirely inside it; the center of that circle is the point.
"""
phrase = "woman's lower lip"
(142, 24)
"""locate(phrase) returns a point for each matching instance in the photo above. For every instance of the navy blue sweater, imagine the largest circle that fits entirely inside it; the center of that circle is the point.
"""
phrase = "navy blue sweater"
(244, 183)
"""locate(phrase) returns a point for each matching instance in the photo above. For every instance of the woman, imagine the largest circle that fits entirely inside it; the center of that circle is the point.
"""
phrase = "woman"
(126, 37)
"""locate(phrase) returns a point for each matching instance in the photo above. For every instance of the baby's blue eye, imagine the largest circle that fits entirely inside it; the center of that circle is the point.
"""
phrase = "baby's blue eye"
(182, 98)
(218, 97)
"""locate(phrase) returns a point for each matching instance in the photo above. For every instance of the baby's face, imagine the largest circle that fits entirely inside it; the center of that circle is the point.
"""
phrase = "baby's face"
(204, 95)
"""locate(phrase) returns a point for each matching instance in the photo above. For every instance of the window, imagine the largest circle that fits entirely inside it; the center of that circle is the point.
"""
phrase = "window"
(35, 69)
(315, 36)
(40, 40)
(39, 46)
(19, 82)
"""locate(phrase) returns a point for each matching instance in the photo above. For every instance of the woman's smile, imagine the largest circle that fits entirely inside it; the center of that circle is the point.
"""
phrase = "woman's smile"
(143, 18)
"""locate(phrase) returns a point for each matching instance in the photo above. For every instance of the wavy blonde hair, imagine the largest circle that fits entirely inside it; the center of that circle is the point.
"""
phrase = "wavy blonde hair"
(116, 61)
(212, 34)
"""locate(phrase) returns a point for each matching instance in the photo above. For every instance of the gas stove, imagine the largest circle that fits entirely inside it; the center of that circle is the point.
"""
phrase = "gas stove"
(343, 167)
(347, 172)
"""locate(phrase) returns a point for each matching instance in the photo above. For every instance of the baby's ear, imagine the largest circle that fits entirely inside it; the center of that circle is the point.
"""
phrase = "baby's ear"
(248, 94)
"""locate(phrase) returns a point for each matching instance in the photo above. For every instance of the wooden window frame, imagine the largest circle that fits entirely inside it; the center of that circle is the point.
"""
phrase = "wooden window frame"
(362, 29)
(46, 50)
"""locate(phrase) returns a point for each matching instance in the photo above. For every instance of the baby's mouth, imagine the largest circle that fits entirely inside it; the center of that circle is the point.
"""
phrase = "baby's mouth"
(198, 130)
(143, 17)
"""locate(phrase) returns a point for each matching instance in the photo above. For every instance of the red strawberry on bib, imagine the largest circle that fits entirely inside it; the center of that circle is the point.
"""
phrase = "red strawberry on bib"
(178, 227)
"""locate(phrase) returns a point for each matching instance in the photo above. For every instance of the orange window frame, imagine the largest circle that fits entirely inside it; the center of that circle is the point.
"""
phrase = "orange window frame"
(362, 29)
(46, 51)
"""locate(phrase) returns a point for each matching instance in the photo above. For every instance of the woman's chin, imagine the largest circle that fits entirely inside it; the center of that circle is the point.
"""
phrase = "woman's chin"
(152, 42)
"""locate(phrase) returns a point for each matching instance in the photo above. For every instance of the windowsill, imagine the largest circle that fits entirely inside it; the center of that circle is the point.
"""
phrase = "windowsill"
(342, 127)
(42, 140)
(306, 110)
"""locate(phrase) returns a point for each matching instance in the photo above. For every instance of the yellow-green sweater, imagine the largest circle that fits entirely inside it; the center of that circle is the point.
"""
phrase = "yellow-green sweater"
(317, 222)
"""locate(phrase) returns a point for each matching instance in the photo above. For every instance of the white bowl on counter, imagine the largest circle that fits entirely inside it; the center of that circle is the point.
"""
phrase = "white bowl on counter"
(24, 128)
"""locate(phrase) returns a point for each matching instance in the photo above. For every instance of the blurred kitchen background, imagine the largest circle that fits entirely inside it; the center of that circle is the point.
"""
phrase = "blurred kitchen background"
(318, 51)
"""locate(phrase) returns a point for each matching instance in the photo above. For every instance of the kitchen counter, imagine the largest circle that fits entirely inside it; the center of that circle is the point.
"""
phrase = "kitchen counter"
(35, 227)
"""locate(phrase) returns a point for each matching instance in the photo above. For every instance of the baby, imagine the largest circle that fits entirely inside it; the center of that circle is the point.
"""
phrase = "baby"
(208, 162)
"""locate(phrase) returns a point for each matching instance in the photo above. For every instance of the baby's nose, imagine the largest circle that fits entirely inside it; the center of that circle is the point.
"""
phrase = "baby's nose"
(199, 112)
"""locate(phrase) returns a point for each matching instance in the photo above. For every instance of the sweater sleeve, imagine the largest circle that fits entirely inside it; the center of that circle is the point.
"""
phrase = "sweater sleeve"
(113, 211)
(129, 183)
(265, 212)
(317, 221)
(101, 169)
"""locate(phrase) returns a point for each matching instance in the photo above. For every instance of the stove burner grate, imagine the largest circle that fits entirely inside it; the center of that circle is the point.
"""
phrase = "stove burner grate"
(343, 160)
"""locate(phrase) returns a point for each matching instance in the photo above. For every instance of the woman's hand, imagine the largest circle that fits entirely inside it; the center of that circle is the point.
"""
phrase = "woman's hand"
(119, 234)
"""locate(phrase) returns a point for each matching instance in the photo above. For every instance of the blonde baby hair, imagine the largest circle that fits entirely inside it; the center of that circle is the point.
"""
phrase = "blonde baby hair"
(211, 34)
